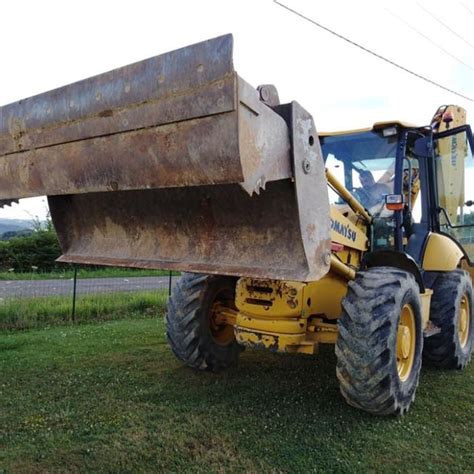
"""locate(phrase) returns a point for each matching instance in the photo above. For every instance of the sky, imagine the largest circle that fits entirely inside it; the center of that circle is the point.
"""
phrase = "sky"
(48, 44)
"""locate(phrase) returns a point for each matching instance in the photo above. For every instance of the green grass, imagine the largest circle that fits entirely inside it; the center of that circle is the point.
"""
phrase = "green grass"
(27, 313)
(104, 272)
(111, 397)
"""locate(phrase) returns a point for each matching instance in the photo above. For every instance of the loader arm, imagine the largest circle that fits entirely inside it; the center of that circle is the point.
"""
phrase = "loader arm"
(173, 162)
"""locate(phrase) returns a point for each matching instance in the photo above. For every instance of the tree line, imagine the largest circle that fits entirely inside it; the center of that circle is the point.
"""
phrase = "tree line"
(34, 252)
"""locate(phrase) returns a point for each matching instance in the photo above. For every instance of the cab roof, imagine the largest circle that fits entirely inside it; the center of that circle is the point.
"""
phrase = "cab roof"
(375, 126)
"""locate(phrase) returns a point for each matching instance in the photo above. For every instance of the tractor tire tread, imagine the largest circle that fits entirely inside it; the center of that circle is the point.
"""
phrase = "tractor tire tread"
(443, 349)
(365, 347)
(187, 328)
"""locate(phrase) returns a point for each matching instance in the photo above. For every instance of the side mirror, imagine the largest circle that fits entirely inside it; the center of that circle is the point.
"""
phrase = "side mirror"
(394, 202)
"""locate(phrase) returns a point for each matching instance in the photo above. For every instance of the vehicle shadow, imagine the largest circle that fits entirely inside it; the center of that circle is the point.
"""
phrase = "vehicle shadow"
(265, 385)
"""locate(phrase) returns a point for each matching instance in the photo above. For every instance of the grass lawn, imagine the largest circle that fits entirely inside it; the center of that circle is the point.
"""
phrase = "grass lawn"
(110, 397)
(28, 313)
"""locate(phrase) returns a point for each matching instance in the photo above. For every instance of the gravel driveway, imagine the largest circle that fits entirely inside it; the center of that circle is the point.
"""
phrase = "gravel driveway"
(29, 288)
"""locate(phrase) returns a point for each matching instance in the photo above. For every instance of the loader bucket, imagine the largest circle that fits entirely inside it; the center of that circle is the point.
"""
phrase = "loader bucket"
(173, 162)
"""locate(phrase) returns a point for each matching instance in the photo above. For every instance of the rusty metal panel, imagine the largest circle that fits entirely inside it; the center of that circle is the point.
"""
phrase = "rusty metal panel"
(187, 120)
(264, 137)
(188, 153)
(311, 193)
(281, 233)
(210, 229)
(249, 145)
(214, 98)
(167, 88)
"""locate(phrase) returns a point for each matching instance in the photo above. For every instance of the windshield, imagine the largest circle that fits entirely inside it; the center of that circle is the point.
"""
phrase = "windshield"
(365, 163)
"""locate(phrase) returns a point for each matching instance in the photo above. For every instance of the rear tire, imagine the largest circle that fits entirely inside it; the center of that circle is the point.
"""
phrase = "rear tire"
(192, 334)
(380, 341)
(452, 296)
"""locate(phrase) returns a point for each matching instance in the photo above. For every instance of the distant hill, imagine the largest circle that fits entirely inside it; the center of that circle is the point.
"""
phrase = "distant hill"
(14, 225)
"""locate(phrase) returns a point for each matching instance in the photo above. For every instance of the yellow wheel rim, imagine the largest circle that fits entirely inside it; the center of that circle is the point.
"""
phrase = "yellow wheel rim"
(222, 332)
(406, 342)
(464, 321)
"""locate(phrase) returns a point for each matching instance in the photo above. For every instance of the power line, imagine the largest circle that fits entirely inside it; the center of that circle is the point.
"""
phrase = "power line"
(427, 38)
(467, 8)
(373, 53)
(445, 25)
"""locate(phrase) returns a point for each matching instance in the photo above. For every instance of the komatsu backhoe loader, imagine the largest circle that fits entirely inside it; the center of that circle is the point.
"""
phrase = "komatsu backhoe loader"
(362, 239)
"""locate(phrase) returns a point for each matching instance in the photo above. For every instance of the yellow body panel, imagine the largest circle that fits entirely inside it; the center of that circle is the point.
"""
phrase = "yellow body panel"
(283, 315)
(353, 239)
(458, 115)
(344, 232)
(326, 295)
(451, 164)
(277, 342)
(451, 154)
(267, 325)
(270, 314)
(441, 254)
(269, 298)
(306, 342)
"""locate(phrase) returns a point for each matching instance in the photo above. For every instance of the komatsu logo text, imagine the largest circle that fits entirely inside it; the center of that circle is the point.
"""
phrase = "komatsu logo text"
(343, 230)
(454, 151)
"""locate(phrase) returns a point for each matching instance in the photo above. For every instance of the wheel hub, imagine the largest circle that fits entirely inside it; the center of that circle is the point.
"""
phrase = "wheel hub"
(406, 342)
(464, 321)
(221, 322)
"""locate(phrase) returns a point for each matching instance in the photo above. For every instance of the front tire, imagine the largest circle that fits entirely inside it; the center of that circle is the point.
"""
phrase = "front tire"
(195, 335)
(451, 311)
(380, 341)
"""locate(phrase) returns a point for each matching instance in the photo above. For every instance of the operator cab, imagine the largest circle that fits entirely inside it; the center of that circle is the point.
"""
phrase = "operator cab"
(430, 171)
(365, 161)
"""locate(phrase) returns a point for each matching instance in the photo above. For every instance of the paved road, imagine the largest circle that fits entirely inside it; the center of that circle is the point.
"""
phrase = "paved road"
(29, 288)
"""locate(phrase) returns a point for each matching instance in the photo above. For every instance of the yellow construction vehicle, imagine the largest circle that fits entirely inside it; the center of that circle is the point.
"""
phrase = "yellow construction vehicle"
(362, 239)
